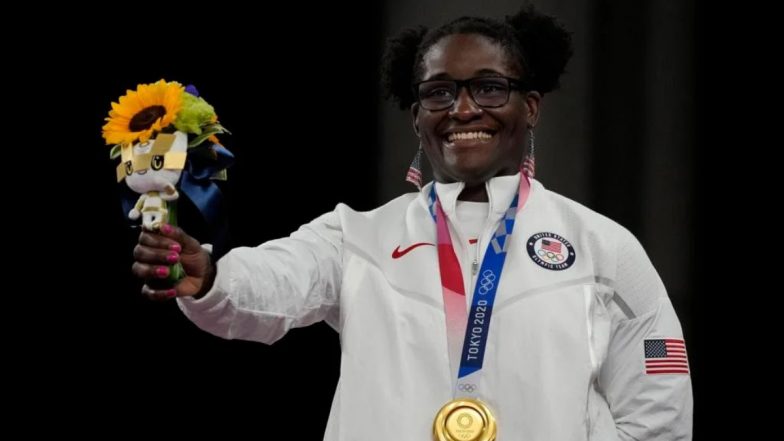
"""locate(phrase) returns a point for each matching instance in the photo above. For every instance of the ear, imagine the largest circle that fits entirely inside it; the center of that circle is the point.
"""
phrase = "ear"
(532, 101)
(414, 116)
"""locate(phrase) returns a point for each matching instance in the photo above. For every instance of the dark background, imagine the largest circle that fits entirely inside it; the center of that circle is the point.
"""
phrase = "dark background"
(635, 133)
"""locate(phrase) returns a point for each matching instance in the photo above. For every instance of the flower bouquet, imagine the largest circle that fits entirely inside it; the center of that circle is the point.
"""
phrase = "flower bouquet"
(165, 135)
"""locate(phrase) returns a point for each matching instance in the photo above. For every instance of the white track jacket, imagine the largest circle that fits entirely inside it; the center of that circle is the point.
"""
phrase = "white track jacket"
(583, 344)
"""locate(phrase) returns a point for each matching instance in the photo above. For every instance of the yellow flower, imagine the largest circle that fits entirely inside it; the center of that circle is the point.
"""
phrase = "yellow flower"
(143, 112)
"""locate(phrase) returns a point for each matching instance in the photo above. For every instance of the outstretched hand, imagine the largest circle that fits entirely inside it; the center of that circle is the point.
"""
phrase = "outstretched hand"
(157, 250)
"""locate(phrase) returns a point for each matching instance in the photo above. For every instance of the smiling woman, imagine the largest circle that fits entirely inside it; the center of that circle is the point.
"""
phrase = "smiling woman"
(472, 133)
(584, 341)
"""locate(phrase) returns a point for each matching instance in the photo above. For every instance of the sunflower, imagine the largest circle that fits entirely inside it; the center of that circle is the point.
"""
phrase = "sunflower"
(143, 112)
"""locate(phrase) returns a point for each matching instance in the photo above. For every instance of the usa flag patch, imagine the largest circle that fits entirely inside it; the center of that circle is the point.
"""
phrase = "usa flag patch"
(666, 356)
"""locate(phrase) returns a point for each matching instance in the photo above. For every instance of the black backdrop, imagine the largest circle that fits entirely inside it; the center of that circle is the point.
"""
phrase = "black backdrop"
(301, 104)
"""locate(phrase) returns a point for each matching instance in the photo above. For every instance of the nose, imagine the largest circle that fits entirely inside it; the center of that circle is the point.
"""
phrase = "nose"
(464, 108)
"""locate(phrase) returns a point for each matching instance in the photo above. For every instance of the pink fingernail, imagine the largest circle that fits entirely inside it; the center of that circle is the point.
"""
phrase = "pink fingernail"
(162, 271)
(166, 228)
(173, 258)
(175, 247)
(171, 293)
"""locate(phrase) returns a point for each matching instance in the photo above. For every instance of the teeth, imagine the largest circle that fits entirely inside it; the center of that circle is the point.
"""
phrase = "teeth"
(469, 135)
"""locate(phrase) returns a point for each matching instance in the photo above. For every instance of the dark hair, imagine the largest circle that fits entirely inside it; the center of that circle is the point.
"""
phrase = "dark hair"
(537, 43)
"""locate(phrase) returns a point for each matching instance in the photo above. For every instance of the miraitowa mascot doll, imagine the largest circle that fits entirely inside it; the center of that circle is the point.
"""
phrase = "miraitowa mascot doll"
(165, 135)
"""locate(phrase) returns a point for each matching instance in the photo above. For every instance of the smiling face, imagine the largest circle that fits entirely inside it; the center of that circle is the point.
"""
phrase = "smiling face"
(467, 142)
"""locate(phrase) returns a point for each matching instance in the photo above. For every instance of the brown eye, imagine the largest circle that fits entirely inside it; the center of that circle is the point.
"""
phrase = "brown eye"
(128, 168)
(157, 162)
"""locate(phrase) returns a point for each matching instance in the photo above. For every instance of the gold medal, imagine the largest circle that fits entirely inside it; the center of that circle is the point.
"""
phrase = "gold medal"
(464, 419)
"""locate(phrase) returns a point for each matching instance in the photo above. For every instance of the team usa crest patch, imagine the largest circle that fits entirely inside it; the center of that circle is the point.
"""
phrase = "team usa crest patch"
(551, 251)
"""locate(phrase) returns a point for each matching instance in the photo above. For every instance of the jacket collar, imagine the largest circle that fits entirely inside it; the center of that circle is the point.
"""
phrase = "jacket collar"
(500, 190)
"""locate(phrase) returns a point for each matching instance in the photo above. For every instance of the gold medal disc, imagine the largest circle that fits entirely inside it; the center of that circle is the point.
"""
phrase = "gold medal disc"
(464, 419)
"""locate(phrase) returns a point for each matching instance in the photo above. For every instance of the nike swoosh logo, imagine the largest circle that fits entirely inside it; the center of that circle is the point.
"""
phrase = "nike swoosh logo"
(397, 253)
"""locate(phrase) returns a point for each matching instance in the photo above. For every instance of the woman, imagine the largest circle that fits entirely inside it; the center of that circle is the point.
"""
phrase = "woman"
(584, 341)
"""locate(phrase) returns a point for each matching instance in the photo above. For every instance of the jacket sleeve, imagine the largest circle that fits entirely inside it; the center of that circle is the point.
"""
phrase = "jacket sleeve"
(645, 377)
(260, 293)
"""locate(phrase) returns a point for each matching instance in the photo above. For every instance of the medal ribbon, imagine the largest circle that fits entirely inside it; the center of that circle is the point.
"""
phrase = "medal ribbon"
(471, 327)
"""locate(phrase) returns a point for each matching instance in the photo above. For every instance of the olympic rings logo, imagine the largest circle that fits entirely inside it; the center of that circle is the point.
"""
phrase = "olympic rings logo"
(486, 283)
(466, 387)
(551, 256)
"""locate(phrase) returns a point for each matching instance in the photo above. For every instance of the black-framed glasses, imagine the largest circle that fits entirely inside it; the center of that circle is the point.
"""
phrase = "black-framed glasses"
(485, 91)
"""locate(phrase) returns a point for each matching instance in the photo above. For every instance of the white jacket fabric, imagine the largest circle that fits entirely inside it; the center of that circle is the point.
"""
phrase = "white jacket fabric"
(565, 357)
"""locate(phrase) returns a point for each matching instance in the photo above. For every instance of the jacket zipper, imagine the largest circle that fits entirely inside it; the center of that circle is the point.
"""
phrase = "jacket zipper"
(475, 263)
